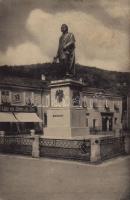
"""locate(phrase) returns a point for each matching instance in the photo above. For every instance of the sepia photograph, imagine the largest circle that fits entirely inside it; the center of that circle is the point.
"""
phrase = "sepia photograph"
(64, 99)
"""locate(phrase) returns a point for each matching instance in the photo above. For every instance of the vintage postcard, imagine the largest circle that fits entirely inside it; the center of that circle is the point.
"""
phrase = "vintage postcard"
(65, 99)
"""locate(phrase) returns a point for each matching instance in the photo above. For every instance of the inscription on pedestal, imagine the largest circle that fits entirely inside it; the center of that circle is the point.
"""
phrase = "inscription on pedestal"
(57, 115)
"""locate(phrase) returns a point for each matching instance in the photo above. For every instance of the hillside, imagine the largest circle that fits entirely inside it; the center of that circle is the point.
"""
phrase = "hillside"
(94, 77)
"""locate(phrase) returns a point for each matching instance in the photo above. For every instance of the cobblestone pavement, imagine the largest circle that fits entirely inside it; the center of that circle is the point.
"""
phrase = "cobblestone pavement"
(24, 178)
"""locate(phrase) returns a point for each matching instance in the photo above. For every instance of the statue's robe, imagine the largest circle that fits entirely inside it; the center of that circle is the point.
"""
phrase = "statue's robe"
(66, 52)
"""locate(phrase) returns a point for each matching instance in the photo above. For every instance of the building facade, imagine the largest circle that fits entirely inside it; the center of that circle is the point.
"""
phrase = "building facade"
(126, 113)
(24, 104)
(21, 106)
(103, 111)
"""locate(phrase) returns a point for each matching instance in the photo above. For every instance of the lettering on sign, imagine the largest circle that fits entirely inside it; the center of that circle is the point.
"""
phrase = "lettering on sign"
(17, 109)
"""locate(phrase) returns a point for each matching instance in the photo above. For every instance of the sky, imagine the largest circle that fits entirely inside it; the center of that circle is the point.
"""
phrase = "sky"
(30, 30)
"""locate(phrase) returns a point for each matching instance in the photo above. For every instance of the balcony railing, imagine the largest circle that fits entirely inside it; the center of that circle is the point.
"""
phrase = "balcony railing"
(99, 131)
(95, 130)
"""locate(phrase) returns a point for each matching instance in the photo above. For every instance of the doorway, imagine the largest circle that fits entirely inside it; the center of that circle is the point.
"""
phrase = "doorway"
(107, 122)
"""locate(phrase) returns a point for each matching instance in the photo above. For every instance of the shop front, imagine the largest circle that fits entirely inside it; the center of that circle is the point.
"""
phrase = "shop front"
(19, 120)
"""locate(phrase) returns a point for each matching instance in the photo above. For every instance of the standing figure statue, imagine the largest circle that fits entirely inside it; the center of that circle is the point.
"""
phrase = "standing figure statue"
(66, 51)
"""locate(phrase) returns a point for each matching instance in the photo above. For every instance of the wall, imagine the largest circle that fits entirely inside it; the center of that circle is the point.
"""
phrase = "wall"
(128, 112)
(20, 97)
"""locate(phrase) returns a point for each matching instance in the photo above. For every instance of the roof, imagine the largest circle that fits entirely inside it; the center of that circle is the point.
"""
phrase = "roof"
(38, 84)
(99, 92)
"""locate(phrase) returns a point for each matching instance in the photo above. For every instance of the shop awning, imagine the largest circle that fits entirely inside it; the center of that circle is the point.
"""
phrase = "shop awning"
(7, 117)
(27, 117)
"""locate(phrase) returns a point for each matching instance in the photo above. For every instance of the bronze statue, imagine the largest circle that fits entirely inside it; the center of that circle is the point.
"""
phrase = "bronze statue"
(66, 51)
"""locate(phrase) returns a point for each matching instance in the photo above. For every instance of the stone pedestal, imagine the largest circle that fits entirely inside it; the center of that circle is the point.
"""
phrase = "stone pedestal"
(127, 144)
(32, 132)
(66, 117)
(95, 150)
(35, 147)
(2, 133)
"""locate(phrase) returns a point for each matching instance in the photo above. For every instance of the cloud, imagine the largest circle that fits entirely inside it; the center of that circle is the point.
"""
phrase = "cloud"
(113, 14)
(13, 16)
(26, 53)
(96, 45)
(100, 40)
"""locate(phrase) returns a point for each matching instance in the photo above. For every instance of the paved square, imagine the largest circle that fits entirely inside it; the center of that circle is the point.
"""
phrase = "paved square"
(23, 178)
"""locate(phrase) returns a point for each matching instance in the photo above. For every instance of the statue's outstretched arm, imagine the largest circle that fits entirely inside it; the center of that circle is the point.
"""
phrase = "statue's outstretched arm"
(56, 57)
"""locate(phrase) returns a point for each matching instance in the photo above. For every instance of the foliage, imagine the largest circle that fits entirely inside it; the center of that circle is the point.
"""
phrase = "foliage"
(92, 76)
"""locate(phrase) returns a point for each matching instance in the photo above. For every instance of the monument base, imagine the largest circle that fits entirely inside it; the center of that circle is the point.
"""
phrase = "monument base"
(66, 123)
(66, 118)
(66, 132)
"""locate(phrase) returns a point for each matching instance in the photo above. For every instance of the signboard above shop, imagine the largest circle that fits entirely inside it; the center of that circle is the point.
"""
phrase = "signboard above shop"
(4, 108)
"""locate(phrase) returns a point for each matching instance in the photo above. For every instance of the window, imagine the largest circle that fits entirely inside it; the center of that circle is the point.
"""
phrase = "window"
(115, 120)
(91, 103)
(47, 103)
(84, 102)
(95, 105)
(37, 99)
(94, 123)
(107, 106)
(5, 97)
(29, 98)
(116, 107)
(17, 97)
(45, 119)
(86, 122)
(5, 92)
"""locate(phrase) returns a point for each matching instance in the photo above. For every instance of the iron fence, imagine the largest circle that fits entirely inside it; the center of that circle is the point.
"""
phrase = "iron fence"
(63, 148)
(111, 147)
(16, 145)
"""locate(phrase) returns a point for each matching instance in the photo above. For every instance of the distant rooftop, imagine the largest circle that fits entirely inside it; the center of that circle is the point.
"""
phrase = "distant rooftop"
(15, 81)
(22, 82)
(100, 92)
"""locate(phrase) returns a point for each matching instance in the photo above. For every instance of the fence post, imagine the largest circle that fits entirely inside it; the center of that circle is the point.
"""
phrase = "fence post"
(2, 133)
(95, 150)
(32, 132)
(35, 147)
(127, 144)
